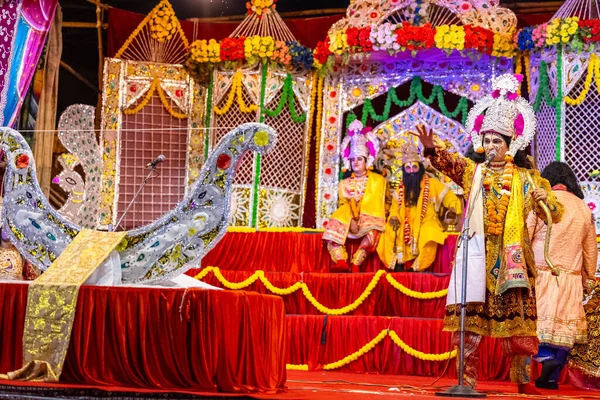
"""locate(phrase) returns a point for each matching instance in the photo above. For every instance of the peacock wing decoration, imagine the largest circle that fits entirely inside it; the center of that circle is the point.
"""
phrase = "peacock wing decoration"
(76, 133)
(158, 251)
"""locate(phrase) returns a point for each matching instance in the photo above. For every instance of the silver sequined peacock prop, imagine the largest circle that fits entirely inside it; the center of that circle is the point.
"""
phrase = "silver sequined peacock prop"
(158, 251)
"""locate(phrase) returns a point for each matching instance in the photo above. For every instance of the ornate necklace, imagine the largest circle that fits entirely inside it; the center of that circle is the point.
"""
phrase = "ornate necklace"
(355, 192)
(400, 192)
(497, 211)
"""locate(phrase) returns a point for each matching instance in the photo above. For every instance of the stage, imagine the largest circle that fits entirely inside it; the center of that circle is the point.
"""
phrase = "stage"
(342, 330)
(322, 385)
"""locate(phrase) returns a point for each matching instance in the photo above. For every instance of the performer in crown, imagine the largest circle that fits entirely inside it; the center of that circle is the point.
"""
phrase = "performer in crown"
(501, 267)
(414, 230)
(361, 197)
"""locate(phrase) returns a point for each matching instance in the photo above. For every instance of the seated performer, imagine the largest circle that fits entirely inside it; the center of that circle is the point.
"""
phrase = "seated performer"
(414, 231)
(501, 268)
(561, 318)
(361, 197)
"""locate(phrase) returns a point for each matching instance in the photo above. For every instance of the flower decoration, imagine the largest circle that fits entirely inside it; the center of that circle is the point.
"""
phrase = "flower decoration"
(595, 174)
(479, 39)
(302, 56)
(384, 38)
(525, 39)
(257, 47)
(338, 43)
(202, 51)
(322, 52)
(538, 35)
(561, 30)
(450, 37)
(163, 23)
(503, 46)
(589, 30)
(359, 40)
(281, 53)
(260, 7)
(232, 49)
(22, 161)
(412, 38)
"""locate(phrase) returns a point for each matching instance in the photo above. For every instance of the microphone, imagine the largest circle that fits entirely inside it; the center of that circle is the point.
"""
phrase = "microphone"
(154, 163)
(491, 156)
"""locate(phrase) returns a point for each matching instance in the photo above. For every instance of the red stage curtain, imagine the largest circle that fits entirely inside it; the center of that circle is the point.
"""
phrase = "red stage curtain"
(340, 290)
(173, 339)
(297, 252)
(345, 335)
(121, 23)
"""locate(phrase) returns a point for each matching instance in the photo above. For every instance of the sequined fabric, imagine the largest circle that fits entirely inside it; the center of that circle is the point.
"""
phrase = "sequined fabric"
(51, 303)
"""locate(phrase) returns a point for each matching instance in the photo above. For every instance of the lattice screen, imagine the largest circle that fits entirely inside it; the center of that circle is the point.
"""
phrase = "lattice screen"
(582, 133)
(144, 136)
(545, 140)
(244, 176)
(282, 170)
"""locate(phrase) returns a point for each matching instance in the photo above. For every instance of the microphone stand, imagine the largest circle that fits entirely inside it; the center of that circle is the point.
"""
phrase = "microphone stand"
(460, 390)
(148, 177)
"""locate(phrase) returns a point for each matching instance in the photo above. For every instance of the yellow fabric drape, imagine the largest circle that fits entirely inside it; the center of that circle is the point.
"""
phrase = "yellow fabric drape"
(51, 303)
(428, 232)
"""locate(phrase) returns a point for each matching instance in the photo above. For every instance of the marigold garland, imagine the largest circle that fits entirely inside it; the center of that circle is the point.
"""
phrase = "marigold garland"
(167, 106)
(371, 345)
(357, 354)
(260, 275)
(497, 213)
(235, 93)
(591, 71)
(145, 99)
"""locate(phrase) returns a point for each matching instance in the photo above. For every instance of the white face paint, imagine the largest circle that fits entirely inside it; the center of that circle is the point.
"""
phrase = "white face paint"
(495, 141)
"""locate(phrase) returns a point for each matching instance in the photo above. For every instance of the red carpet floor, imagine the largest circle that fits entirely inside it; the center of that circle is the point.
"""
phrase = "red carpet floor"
(317, 385)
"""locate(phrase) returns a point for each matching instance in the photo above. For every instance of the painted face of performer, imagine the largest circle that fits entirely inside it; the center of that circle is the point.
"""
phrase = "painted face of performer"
(412, 174)
(359, 165)
(495, 141)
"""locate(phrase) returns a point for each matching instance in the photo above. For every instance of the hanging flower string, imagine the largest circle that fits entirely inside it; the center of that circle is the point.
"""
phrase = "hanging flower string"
(260, 275)
(236, 92)
(371, 345)
(287, 96)
(415, 92)
(155, 87)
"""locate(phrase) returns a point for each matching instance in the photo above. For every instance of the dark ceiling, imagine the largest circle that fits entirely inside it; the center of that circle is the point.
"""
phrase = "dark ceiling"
(80, 45)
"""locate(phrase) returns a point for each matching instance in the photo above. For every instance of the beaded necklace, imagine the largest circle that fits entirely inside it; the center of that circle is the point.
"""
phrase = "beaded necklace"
(400, 193)
(497, 211)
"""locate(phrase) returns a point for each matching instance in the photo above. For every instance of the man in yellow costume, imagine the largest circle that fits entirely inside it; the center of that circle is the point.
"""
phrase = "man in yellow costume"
(361, 197)
(414, 230)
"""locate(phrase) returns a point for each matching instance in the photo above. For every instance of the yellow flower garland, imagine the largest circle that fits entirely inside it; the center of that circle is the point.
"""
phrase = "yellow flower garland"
(361, 352)
(145, 99)
(167, 106)
(236, 92)
(155, 86)
(260, 275)
(318, 126)
(371, 345)
(591, 71)
(411, 293)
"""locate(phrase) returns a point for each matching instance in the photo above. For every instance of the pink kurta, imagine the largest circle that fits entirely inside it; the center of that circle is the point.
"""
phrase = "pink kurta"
(561, 318)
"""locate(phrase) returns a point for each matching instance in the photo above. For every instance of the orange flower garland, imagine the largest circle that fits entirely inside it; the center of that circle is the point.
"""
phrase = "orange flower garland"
(497, 214)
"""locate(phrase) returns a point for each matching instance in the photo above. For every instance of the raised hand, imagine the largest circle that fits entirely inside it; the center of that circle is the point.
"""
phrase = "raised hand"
(426, 138)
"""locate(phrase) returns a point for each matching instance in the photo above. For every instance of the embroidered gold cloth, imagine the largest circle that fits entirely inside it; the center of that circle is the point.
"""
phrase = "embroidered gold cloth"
(51, 303)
